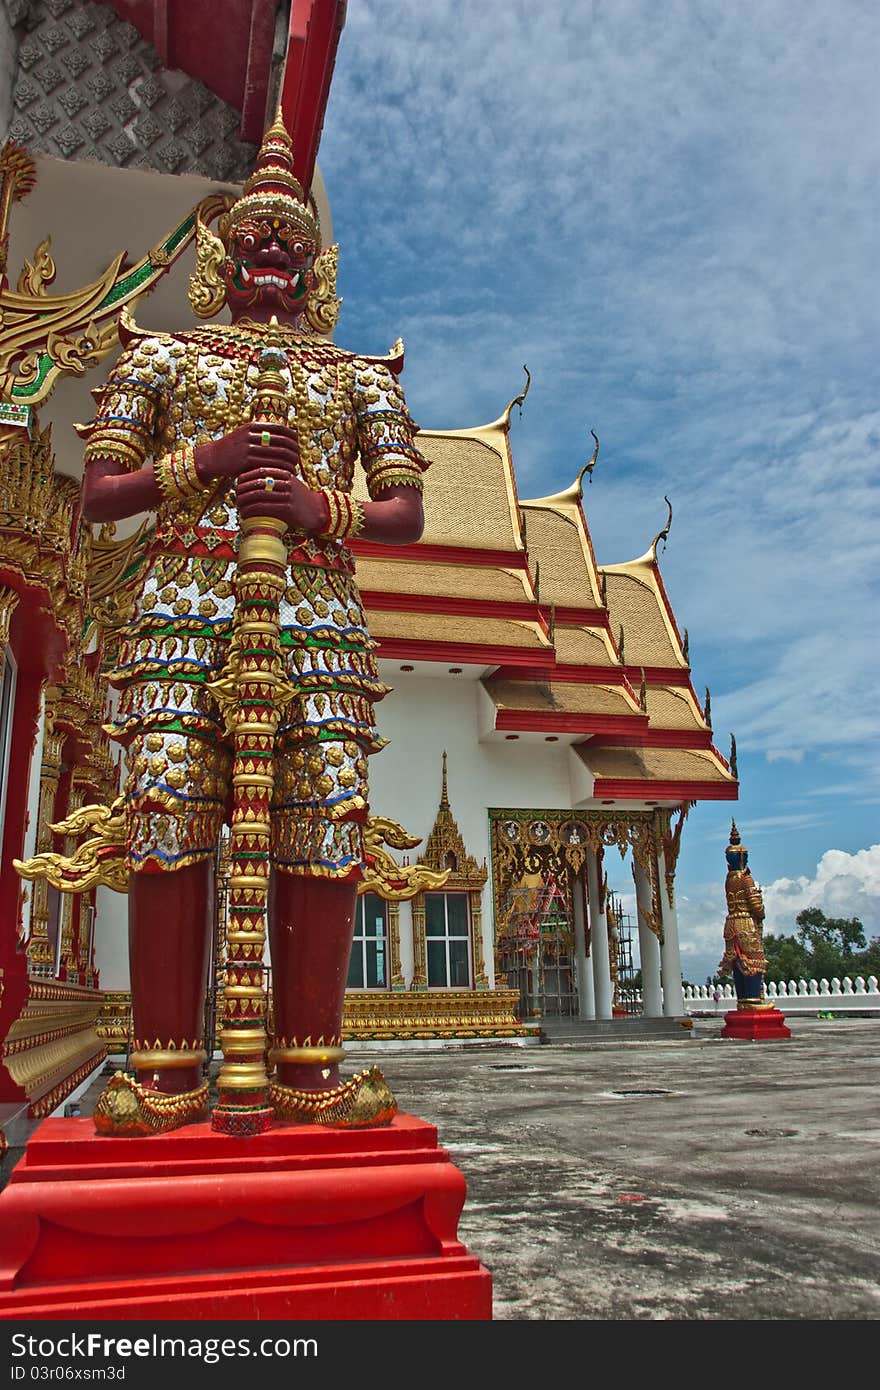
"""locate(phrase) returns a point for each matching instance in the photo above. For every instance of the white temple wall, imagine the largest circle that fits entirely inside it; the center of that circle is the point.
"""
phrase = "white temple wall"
(423, 717)
(111, 939)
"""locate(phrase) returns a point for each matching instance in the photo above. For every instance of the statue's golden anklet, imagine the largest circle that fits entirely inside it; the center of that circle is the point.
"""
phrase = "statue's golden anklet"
(364, 1101)
(126, 1108)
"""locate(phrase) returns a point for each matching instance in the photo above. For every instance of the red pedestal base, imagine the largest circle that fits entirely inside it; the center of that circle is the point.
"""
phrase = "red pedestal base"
(301, 1222)
(755, 1025)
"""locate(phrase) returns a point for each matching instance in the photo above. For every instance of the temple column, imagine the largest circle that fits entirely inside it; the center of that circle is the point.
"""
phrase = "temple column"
(39, 950)
(25, 720)
(670, 954)
(420, 956)
(8, 604)
(395, 975)
(649, 946)
(481, 979)
(70, 902)
(586, 993)
(88, 913)
(598, 941)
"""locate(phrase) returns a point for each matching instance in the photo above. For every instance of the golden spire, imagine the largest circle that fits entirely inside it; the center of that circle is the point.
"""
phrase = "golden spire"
(444, 797)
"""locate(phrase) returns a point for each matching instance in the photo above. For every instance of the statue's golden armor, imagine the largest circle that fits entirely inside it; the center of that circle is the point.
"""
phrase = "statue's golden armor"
(743, 926)
(189, 388)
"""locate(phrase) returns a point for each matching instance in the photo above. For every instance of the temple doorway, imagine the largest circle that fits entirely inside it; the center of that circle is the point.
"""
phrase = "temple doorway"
(536, 947)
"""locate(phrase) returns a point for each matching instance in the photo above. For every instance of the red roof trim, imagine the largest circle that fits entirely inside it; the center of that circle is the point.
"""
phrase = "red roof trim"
(442, 554)
(457, 653)
(641, 789)
(658, 738)
(660, 675)
(539, 721)
(571, 675)
(383, 601)
(582, 617)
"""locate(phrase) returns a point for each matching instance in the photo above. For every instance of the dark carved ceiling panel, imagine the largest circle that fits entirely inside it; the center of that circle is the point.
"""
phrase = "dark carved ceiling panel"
(89, 86)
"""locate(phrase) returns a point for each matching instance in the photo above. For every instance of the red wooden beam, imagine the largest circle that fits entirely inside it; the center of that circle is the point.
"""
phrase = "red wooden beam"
(226, 45)
(315, 27)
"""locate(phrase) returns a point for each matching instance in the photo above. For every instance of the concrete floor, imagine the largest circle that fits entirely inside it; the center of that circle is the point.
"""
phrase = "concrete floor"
(687, 1178)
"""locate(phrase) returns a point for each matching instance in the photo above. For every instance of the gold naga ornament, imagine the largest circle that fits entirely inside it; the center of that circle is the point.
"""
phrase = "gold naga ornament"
(100, 860)
(43, 336)
(383, 875)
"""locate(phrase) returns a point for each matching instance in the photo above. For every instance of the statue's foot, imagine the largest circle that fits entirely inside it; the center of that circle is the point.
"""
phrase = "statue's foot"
(125, 1108)
(361, 1103)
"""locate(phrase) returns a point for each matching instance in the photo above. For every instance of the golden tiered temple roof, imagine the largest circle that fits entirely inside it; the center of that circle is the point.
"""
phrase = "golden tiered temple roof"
(466, 589)
(564, 648)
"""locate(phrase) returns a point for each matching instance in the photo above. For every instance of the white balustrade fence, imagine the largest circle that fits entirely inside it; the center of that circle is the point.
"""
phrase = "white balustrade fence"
(797, 996)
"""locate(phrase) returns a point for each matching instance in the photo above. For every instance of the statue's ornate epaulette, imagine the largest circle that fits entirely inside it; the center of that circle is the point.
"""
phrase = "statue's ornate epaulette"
(393, 358)
(130, 331)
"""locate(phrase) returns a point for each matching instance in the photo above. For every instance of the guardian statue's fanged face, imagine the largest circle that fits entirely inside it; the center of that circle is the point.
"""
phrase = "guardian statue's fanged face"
(269, 264)
(271, 235)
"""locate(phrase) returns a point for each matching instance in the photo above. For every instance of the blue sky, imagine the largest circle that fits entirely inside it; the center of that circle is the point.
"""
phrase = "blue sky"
(669, 212)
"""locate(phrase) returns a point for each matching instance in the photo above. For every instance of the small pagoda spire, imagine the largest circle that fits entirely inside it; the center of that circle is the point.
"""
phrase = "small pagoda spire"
(444, 795)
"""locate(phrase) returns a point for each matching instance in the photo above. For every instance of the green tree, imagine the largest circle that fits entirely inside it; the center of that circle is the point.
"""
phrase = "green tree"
(841, 934)
(787, 958)
(867, 962)
(823, 948)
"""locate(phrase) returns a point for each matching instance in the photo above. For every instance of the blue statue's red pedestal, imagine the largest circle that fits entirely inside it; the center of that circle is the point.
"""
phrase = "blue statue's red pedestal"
(301, 1222)
(755, 1025)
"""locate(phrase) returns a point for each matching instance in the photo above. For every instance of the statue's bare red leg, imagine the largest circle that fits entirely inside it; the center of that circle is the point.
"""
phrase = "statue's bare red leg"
(169, 935)
(311, 924)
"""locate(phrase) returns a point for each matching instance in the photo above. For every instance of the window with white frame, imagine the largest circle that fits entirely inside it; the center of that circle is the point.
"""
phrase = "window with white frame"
(368, 964)
(448, 940)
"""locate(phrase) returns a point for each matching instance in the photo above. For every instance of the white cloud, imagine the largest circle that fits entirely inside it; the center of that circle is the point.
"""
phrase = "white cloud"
(785, 755)
(844, 885)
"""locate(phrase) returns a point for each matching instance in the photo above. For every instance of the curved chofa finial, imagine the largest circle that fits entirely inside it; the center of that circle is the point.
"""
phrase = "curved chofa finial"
(517, 400)
(588, 467)
(572, 494)
(733, 766)
(664, 534)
